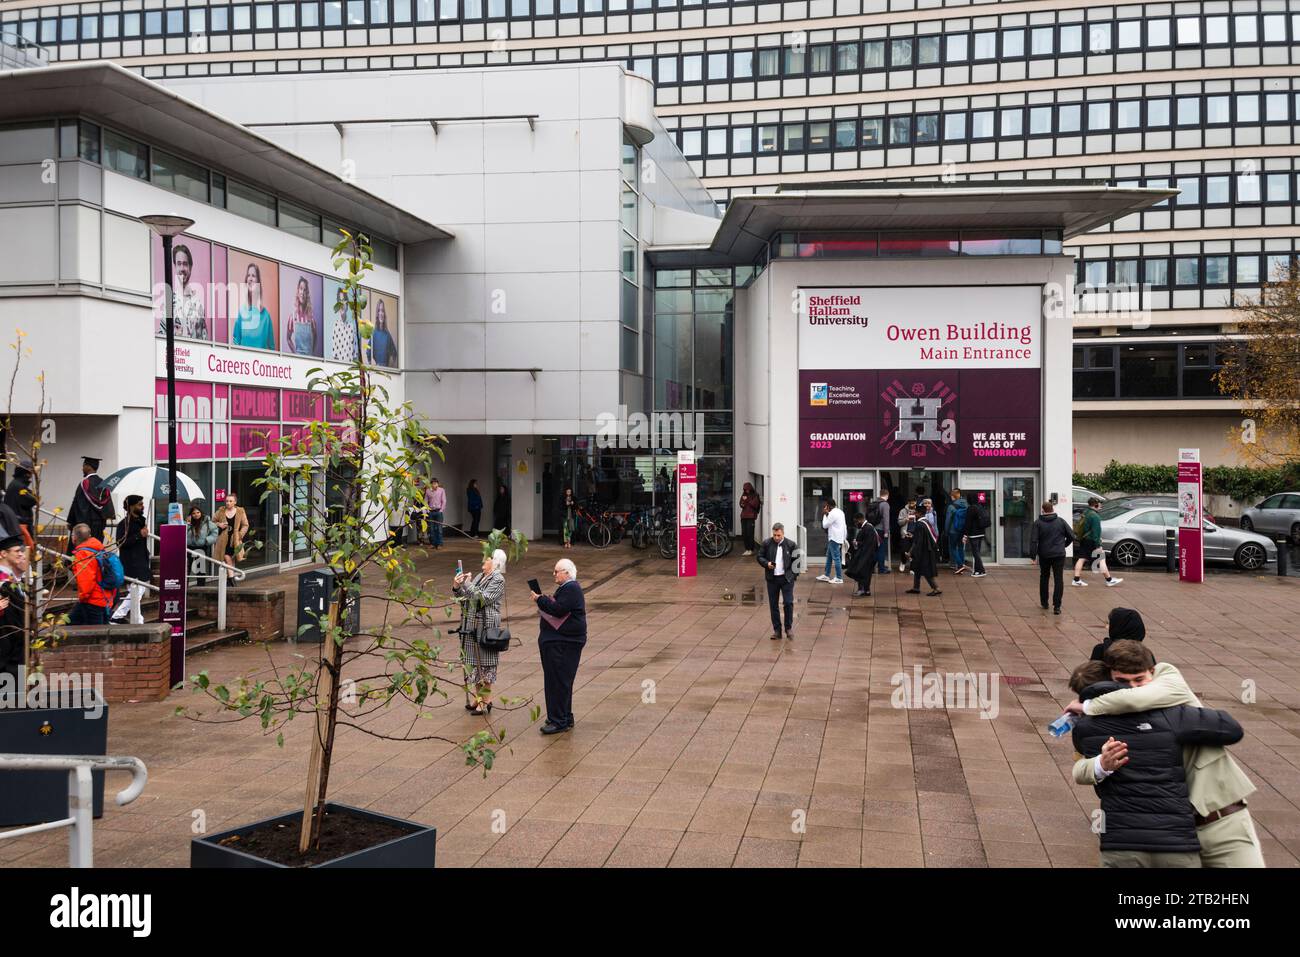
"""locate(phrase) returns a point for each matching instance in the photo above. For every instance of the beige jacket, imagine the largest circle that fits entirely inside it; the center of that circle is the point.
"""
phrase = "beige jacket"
(1213, 779)
(238, 526)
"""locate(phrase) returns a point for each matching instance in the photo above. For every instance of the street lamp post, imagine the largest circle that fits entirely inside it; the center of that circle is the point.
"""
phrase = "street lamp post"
(169, 227)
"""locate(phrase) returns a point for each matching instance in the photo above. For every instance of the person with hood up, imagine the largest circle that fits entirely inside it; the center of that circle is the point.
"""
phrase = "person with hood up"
(1124, 624)
(1049, 537)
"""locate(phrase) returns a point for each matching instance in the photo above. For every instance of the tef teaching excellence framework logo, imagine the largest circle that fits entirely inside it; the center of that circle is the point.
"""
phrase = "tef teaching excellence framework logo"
(819, 394)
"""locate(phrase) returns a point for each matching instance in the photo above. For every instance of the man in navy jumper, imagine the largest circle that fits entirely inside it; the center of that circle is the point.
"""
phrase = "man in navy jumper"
(563, 633)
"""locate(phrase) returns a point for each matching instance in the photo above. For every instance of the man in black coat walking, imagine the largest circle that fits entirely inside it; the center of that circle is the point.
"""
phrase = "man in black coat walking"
(1148, 819)
(777, 556)
(133, 550)
(561, 639)
(866, 547)
(1049, 537)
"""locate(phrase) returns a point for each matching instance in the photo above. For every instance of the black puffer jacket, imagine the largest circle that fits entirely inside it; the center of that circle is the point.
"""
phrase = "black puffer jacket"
(1145, 802)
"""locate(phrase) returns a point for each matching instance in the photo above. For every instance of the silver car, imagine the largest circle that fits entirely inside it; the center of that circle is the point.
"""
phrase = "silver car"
(1276, 515)
(1139, 533)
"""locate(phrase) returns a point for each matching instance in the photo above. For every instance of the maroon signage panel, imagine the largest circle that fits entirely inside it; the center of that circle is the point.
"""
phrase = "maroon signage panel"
(976, 418)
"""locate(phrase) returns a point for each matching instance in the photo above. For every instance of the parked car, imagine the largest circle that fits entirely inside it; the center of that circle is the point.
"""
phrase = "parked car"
(1079, 498)
(1276, 515)
(1138, 533)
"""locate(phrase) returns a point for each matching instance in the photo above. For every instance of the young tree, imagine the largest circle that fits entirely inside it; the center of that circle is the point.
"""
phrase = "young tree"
(18, 451)
(374, 456)
(1263, 371)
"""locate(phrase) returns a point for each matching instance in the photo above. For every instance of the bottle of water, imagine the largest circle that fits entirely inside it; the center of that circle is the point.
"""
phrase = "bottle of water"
(1062, 725)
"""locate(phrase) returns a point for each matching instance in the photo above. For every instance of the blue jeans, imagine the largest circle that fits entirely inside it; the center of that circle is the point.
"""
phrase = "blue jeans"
(882, 553)
(435, 528)
(957, 550)
(833, 552)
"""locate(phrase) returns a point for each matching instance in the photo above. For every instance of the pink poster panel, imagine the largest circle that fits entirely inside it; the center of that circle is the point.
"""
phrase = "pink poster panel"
(250, 402)
(220, 296)
(192, 287)
(194, 420)
(254, 296)
(253, 441)
(221, 423)
(302, 406)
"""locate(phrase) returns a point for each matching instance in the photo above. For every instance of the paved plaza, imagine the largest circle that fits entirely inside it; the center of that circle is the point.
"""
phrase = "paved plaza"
(701, 742)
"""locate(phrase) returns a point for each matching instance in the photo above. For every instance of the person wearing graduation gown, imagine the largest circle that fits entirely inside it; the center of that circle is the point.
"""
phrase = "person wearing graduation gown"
(862, 558)
(925, 553)
(92, 503)
(20, 497)
(13, 602)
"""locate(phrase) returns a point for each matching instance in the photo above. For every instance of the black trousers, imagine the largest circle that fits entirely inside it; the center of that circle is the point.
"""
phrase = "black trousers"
(475, 515)
(916, 580)
(868, 569)
(1056, 568)
(559, 668)
(747, 534)
(975, 545)
(779, 588)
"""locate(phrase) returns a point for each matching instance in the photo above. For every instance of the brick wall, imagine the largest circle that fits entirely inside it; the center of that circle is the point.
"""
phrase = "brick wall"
(259, 611)
(135, 660)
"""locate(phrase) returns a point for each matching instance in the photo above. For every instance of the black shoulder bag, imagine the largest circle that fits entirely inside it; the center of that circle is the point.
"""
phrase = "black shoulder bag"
(493, 637)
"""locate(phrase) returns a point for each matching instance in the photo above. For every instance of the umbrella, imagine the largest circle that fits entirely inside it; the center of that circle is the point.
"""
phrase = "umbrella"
(150, 482)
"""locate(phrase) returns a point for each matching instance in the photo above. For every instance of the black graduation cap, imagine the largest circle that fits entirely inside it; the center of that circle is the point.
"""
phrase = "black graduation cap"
(11, 541)
(92, 462)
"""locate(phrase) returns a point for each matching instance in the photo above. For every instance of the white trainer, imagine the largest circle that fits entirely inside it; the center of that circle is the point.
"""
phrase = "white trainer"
(837, 581)
(1078, 583)
(822, 578)
(1112, 582)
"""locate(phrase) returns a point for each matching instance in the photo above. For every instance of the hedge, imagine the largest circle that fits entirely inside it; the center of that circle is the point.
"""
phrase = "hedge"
(1240, 482)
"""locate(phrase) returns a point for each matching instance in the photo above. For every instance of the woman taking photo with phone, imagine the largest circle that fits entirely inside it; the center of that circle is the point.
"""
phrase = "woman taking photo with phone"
(480, 601)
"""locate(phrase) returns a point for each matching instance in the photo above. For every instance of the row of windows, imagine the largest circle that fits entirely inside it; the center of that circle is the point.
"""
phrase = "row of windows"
(1192, 270)
(1043, 40)
(122, 154)
(1147, 371)
(950, 49)
(972, 126)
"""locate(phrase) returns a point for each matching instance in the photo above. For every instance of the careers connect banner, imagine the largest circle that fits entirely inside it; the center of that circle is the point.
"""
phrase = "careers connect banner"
(937, 377)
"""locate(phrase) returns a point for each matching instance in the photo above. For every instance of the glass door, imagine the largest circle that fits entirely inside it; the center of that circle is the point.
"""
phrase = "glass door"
(1017, 509)
(815, 488)
(296, 526)
(857, 490)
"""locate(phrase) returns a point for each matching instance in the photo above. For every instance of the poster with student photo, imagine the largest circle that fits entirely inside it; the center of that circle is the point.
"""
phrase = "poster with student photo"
(254, 295)
(191, 287)
(341, 337)
(383, 335)
(302, 328)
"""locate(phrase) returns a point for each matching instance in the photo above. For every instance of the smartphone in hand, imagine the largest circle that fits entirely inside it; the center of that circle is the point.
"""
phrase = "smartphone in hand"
(534, 587)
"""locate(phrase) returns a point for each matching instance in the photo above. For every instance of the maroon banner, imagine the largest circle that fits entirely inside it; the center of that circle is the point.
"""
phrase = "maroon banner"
(687, 530)
(1191, 517)
(172, 568)
(975, 418)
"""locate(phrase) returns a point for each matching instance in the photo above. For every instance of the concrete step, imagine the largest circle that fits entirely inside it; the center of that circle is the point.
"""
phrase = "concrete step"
(212, 638)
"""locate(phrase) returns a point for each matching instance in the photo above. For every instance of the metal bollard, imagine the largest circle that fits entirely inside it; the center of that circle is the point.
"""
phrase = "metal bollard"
(1171, 550)
(1282, 556)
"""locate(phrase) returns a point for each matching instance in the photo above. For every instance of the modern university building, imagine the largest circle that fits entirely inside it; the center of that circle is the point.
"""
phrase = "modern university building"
(547, 263)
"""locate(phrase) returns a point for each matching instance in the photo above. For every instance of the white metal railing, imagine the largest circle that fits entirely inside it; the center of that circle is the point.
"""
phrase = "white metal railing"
(81, 795)
(222, 571)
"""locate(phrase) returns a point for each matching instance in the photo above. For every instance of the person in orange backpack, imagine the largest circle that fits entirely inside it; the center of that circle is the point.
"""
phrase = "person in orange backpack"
(93, 598)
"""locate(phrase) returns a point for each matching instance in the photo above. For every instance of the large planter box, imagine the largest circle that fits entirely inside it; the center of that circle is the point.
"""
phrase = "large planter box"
(35, 797)
(415, 849)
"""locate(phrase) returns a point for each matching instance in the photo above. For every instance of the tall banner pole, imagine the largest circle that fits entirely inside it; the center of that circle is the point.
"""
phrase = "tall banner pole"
(687, 504)
(172, 562)
(1191, 517)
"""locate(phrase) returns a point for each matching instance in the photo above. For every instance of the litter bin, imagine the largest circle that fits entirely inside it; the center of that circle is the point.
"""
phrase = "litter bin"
(315, 590)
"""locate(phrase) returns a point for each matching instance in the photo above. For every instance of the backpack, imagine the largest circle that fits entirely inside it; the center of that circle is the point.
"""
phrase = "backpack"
(873, 513)
(111, 573)
(1081, 526)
